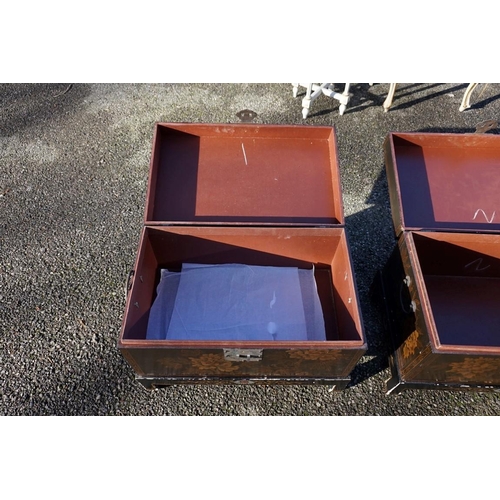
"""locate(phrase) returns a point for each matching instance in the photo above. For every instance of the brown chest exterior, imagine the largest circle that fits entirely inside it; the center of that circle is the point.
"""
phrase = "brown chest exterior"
(255, 195)
(442, 283)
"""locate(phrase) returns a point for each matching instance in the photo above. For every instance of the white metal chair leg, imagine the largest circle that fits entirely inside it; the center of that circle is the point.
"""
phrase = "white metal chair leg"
(390, 96)
(328, 90)
(345, 99)
(313, 91)
(306, 102)
(466, 99)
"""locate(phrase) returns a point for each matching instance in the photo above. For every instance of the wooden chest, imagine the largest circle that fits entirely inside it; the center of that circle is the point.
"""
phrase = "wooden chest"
(442, 282)
(255, 195)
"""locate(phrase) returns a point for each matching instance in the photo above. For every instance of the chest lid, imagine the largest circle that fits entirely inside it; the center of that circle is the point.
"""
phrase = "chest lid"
(244, 174)
(444, 182)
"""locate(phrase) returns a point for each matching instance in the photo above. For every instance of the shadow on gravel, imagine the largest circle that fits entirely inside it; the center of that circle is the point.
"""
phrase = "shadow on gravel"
(25, 105)
(443, 130)
(371, 239)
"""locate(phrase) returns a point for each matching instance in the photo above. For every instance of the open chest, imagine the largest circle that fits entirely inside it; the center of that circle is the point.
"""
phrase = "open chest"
(442, 283)
(222, 198)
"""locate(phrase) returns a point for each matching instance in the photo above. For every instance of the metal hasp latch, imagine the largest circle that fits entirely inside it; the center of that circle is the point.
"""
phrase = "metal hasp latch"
(243, 354)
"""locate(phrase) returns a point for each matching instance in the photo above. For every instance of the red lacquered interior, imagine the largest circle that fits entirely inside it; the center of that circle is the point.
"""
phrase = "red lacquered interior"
(244, 174)
(461, 279)
(325, 248)
(444, 181)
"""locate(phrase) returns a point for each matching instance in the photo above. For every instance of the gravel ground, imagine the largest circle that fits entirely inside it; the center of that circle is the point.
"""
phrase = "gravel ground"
(73, 171)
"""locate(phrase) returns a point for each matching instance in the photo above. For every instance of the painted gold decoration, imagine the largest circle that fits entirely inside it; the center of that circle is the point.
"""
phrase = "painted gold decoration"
(474, 369)
(411, 344)
(213, 363)
(311, 355)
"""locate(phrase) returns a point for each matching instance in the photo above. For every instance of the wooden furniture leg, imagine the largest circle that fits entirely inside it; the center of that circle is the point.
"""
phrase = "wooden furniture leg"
(390, 96)
(466, 99)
